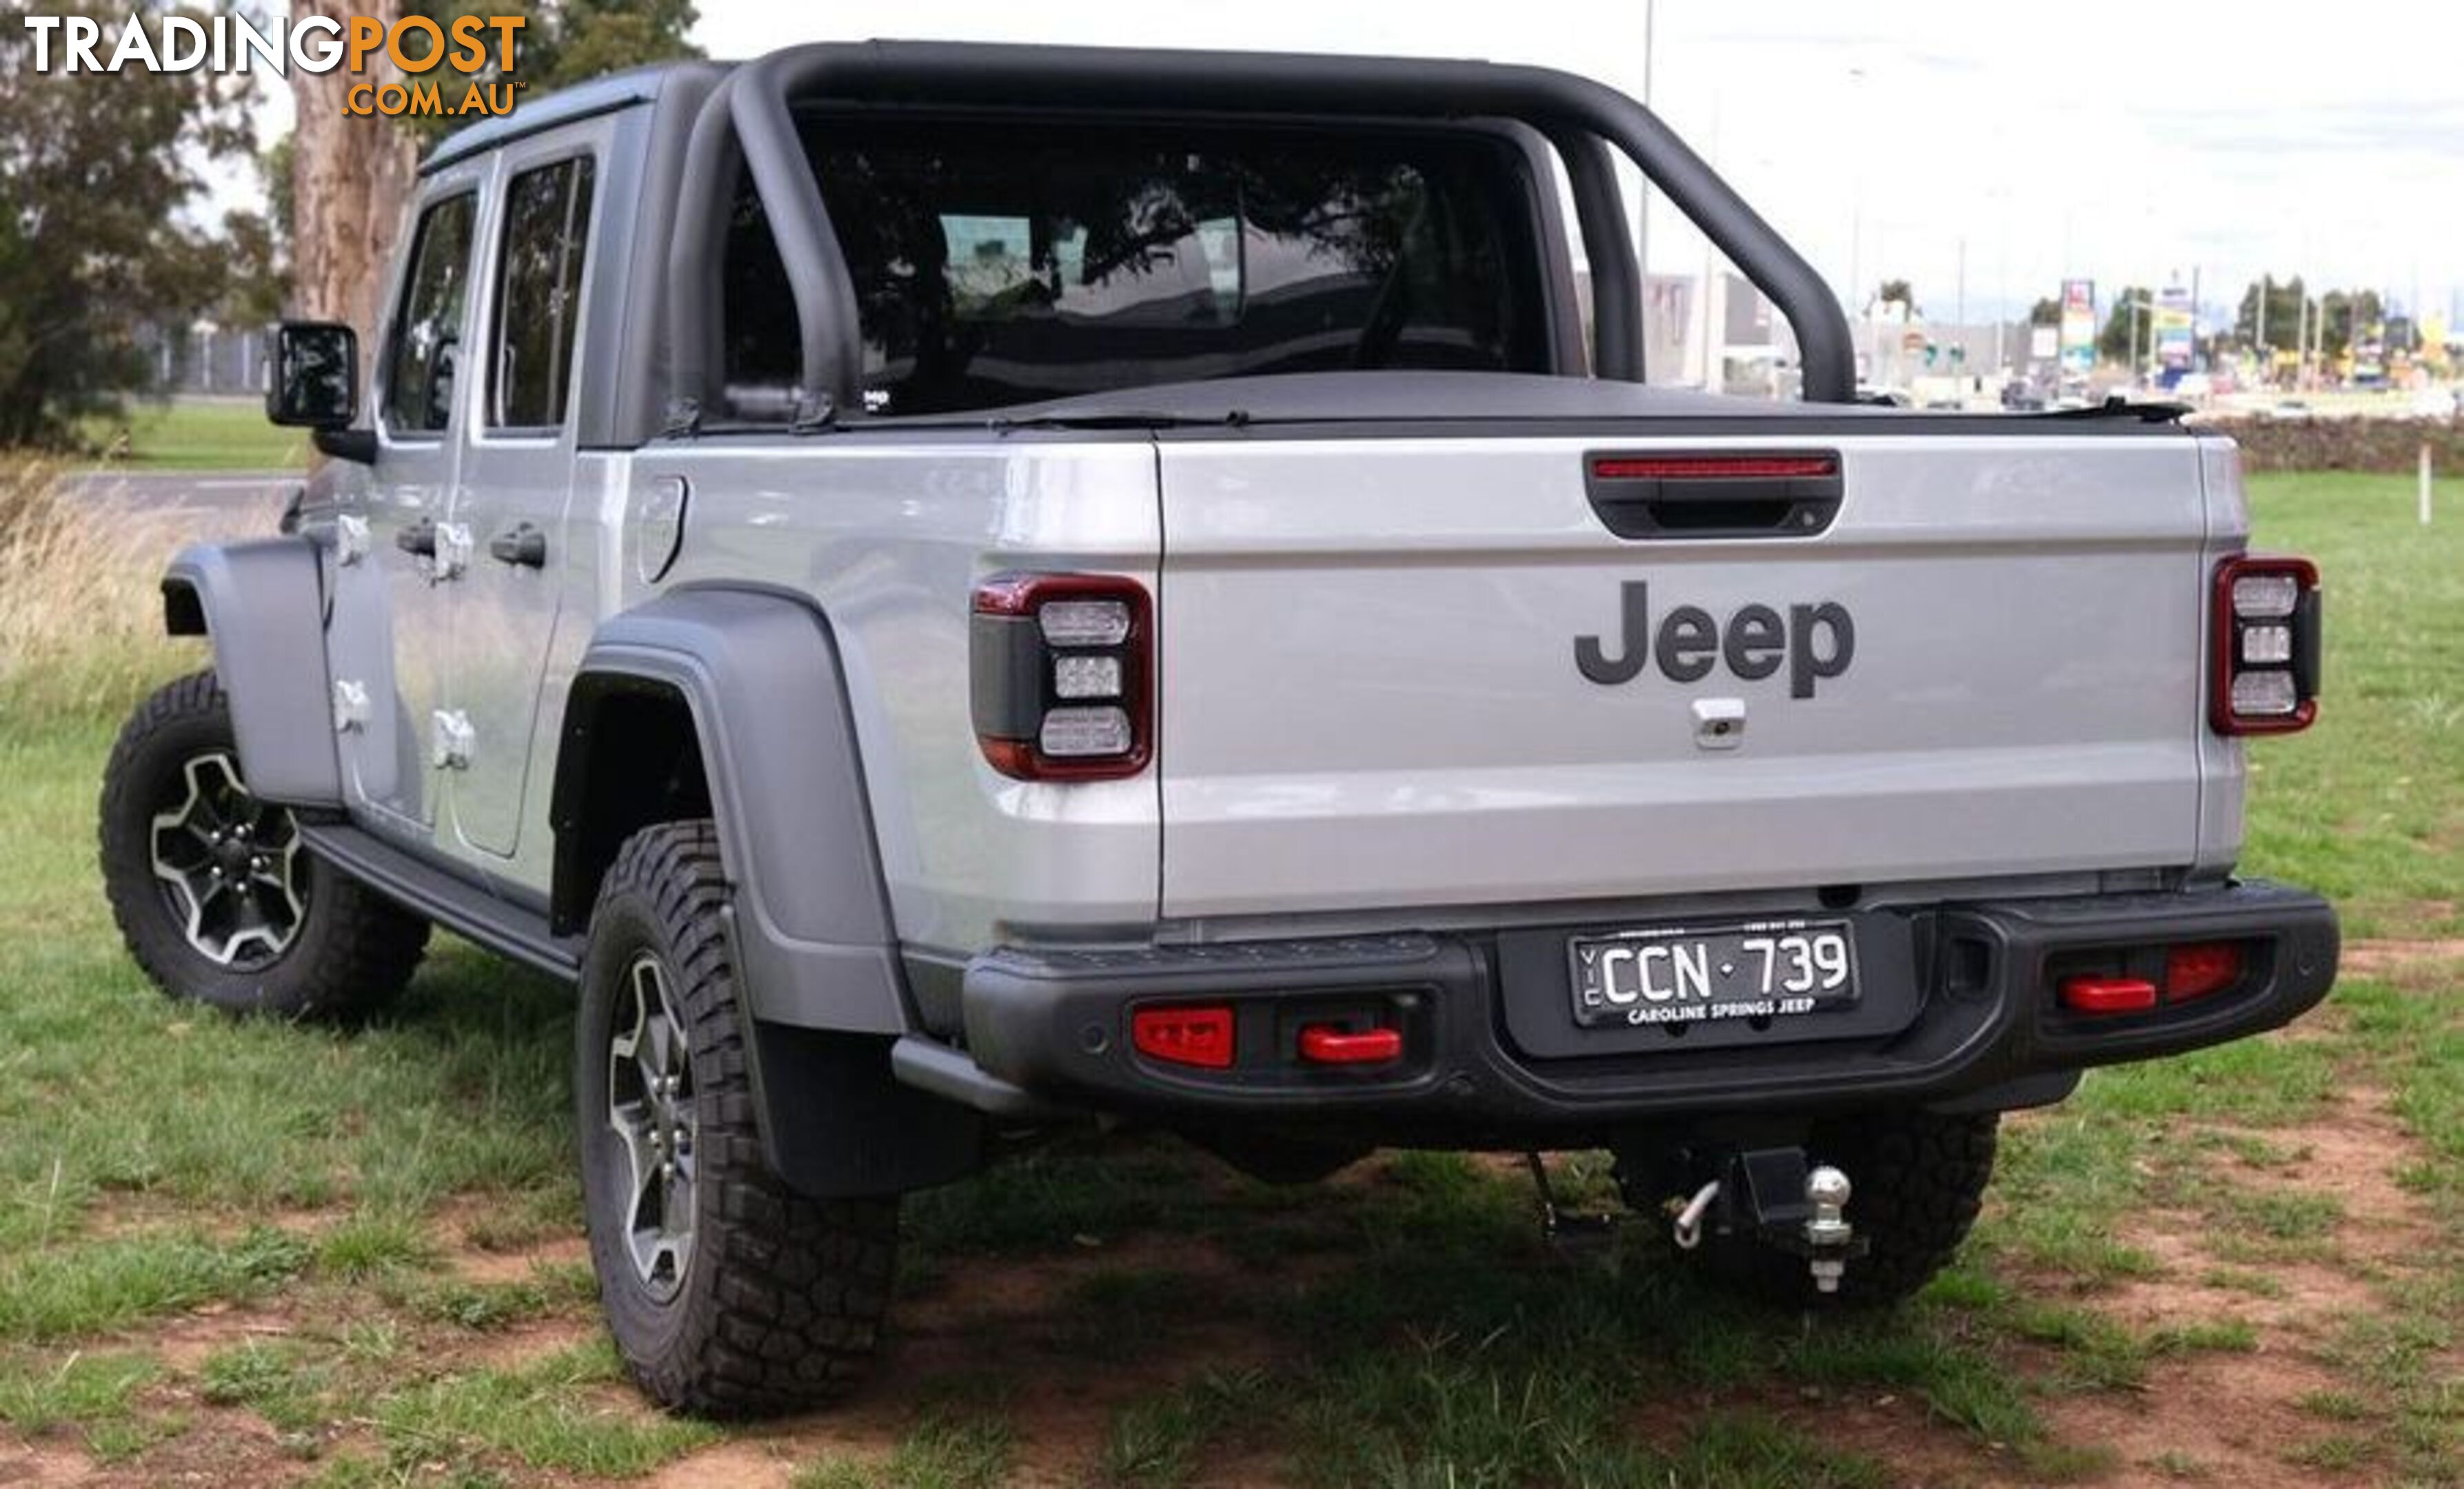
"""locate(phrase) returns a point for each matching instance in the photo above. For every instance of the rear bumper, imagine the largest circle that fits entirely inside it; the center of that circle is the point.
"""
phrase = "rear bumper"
(1960, 1009)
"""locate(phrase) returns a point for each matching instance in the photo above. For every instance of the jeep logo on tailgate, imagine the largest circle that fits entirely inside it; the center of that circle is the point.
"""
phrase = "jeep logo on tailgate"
(1815, 642)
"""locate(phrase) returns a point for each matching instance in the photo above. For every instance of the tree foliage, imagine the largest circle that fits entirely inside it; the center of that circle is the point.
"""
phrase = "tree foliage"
(2283, 313)
(569, 41)
(2331, 321)
(97, 173)
(2126, 320)
(2046, 312)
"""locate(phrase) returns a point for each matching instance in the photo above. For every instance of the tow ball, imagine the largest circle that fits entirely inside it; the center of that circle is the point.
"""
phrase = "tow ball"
(1773, 1194)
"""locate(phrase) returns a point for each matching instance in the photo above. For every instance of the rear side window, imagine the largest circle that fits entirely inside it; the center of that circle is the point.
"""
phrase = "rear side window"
(427, 331)
(547, 228)
(999, 263)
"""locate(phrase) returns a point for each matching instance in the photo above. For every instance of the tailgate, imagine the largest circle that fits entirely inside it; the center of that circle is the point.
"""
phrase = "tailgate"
(1371, 693)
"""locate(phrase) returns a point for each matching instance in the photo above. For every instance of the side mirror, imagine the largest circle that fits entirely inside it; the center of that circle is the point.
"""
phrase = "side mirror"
(315, 375)
(316, 386)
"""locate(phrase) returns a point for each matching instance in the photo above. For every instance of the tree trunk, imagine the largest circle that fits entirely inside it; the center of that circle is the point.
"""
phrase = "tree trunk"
(350, 180)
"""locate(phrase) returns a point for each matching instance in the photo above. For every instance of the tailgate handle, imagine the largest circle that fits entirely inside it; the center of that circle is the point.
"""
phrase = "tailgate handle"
(1714, 493)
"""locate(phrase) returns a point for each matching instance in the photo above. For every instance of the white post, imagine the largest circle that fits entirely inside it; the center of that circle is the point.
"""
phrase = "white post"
(2425, 483)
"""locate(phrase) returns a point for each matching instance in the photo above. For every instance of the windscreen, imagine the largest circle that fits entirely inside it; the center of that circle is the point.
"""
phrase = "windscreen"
(1005, 262)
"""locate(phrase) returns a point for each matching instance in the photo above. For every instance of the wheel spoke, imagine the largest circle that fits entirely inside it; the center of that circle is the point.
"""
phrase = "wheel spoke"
(650, 1108)
(209, 848)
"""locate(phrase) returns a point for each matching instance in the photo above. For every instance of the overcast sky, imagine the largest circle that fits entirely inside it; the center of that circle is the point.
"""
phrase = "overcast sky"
(2124, 141)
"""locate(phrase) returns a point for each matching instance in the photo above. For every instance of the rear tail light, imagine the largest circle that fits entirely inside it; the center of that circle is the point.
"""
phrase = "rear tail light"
(2266, 622)
(1062, 675)
(1185, 1035)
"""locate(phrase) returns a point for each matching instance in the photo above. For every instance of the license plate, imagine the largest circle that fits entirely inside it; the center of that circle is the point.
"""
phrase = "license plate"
(1765, 970)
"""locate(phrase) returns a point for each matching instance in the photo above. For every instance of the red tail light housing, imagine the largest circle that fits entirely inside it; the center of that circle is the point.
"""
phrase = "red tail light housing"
(1061, 675)
(2198, 969)
(1185, 1035)
(2265, 678)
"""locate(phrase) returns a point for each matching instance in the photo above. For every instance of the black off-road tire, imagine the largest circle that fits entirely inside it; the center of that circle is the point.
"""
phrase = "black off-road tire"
(779, 1304)
(1917, 1180)
(351, 951)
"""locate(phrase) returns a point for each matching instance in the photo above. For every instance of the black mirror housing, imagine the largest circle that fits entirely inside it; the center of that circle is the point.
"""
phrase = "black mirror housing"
(315, 371)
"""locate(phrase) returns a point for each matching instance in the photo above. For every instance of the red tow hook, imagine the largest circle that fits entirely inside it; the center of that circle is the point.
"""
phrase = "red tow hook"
(1327, 1044)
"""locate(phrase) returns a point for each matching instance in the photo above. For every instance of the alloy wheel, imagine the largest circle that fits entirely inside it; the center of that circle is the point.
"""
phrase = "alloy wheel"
(230, 867)
(650, 1108)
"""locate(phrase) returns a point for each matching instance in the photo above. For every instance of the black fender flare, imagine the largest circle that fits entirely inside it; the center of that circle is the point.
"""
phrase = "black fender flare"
(261, 604)
(759, 672)
(810, 926)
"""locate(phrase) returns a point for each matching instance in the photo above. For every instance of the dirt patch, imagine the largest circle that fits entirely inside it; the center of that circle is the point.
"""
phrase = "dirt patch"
(2228, 1417)
(730, 1465)
(2386, 958)
(1022, 1339)
(43, 1466)
(2231, 1416)
(525, 1343)
(1891, 1428)
(186, 1343)
(473, 1265)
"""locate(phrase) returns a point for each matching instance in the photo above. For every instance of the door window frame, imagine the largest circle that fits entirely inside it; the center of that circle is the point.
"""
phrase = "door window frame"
(511, 169)
(461, 184)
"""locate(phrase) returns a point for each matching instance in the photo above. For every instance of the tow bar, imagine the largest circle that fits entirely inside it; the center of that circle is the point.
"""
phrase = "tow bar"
(1771, 1195)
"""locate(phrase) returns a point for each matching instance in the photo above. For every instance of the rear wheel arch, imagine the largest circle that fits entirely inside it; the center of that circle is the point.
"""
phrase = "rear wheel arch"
(757, 674)
(630, 757)
(730, 704)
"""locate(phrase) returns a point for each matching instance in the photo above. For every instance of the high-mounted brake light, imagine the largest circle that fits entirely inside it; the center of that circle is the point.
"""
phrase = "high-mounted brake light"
(1062, 675)
(2265, 678)
(1714, 468)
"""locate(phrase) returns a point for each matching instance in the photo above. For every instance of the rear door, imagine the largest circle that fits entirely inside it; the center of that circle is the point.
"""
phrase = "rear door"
(1378, 690)
(396, 546)
(519, 473)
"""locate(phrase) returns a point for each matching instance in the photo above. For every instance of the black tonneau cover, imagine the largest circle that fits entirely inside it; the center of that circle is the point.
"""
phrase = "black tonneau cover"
(1417, 399)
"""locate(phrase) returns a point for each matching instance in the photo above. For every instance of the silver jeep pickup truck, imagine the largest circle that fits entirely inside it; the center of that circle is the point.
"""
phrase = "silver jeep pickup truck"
(955, 591)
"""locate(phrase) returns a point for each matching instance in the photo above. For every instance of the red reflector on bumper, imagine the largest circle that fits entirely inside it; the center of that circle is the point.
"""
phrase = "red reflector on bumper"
(1185, 1036)
(1325, 1044)
(2109, 995)
(2197, 971)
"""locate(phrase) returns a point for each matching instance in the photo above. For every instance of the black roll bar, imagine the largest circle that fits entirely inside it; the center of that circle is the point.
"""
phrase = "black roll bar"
(1617, 280)
(757, 101)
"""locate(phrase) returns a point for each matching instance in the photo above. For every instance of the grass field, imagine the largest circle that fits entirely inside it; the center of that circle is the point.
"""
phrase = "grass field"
(246, 1251)
(201, 434)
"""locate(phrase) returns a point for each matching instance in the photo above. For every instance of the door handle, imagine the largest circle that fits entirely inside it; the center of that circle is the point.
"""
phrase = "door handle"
(522, 544)
(419, 538)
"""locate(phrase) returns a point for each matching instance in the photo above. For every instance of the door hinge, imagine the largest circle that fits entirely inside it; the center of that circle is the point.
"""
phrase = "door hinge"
(453, 548)
(351, 540)
(350, 706)
(451, 741)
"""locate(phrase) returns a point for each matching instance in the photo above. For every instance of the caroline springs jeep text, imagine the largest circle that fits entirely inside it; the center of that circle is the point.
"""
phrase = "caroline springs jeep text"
(956, 590)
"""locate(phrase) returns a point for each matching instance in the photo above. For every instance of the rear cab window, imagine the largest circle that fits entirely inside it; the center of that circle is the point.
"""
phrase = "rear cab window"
(998, 263)
(539, 289)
